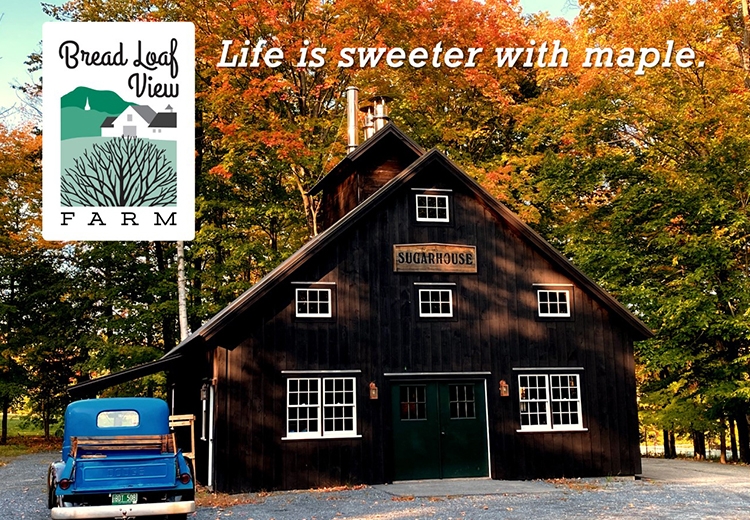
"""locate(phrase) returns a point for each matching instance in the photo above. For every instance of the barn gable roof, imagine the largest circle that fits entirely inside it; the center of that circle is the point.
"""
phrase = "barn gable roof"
(389, 135)
(145, 111)
(207, 334)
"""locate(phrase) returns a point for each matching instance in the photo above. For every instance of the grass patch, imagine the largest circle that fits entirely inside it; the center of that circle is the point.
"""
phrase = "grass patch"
(22, 426)
(25, 437)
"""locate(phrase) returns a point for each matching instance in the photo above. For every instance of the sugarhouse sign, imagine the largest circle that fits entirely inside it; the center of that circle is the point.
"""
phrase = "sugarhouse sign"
(119, 103)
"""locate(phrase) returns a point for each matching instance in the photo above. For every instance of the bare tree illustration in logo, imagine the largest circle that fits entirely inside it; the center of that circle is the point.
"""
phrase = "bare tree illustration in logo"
(120, 172)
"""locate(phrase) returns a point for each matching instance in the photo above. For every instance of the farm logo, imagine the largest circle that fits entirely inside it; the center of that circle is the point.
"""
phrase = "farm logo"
(118, 159)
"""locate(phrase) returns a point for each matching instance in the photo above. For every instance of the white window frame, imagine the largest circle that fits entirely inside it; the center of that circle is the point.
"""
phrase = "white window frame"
(557, 292)
(307, 291)
(426, 197)
(323, 403)
(309, 406)
(438, 314)
(549, 401)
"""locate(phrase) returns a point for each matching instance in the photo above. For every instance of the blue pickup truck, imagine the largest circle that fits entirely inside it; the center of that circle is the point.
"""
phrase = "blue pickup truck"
(119, 460)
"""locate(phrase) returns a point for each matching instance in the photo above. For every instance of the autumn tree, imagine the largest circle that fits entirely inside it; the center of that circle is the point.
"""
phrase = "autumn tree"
(31, 286)
(642, 180)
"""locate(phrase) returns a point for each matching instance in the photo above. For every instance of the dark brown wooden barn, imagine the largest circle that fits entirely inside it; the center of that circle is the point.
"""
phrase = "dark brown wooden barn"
(427, 332)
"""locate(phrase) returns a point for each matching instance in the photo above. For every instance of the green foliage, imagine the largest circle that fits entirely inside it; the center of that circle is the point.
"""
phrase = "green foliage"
(643, 182)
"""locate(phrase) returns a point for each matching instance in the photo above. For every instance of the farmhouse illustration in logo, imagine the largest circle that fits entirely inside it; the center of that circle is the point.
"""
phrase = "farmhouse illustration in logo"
(116, 153)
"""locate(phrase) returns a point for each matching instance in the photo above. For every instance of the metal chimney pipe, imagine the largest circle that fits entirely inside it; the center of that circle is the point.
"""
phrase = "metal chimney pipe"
(380, 118)
(352, 102)
(369, 121)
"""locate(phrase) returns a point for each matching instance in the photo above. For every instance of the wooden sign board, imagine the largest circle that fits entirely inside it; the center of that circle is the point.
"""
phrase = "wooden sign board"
(434, 258)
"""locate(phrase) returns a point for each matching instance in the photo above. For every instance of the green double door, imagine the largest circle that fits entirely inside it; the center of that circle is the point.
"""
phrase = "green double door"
(439, 430)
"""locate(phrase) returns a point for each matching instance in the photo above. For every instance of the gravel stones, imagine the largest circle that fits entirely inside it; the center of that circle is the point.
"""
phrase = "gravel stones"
(679, 490)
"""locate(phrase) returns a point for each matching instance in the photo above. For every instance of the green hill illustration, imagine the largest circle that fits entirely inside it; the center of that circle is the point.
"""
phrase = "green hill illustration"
(84, 109)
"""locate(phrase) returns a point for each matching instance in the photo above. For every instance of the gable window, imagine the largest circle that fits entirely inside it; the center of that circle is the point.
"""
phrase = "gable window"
(321, 407)
(432, 208)
(130, 117)
(313, 303)
(550, 402)
(435, 303)
(553, 303)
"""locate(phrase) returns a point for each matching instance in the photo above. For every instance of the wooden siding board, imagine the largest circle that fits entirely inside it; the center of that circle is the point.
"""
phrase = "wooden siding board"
(614, 428)
(635, 450)
(592, 419)
(274, 397)
(624, 437)
(602, 392)
(501, 354)
(631, 454)
(243, 416)
(221, 426)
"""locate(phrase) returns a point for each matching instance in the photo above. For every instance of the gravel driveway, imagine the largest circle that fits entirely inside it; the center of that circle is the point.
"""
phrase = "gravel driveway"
(671, 490)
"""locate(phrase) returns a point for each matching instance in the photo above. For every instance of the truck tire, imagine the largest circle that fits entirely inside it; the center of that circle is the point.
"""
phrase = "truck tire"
(51, 498)
(51, 490)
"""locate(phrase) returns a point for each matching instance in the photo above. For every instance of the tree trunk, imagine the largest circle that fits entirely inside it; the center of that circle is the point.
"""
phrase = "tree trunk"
(195, 294)
(723, 443)
(309, 203)
(45, 421)
(699, 445)
(743, 437)
(673, 444)
(4, 433)
(733, 440)
(668, 447)
(182, 291)
(167, 320)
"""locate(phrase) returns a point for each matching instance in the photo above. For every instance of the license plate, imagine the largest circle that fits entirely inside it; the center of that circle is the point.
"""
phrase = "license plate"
(119, 499)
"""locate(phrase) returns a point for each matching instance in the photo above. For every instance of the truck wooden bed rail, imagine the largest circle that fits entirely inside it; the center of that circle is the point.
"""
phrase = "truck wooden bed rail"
(164, 443)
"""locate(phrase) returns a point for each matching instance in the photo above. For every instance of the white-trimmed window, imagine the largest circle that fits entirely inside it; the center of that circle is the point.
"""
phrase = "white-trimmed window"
(313, 303)
(432, 208)
(550, 402)
(553, 303)
(321, 407)
(435, 303)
